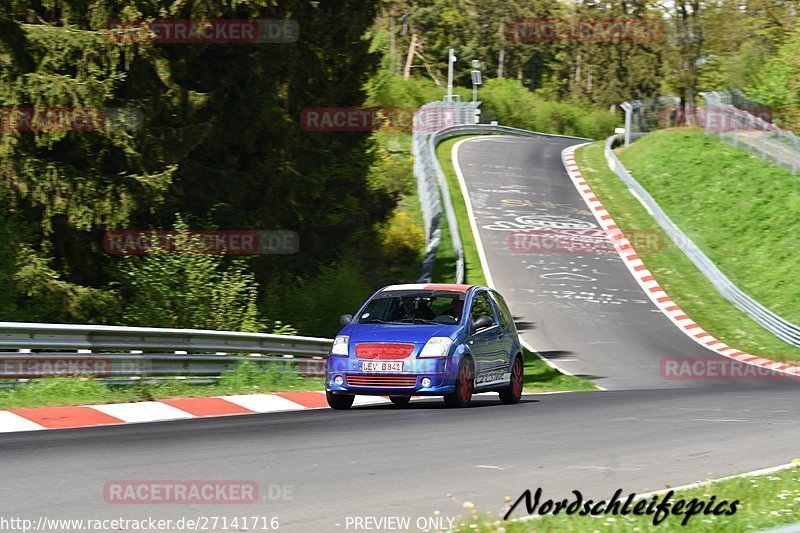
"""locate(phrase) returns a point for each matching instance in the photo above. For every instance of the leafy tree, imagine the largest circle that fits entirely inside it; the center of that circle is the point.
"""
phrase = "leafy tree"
(779, 83)
(188, 288)
(219, 140)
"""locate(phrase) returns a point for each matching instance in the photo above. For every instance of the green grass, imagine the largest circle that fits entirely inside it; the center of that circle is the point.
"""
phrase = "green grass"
(539, 376)
(741, 211)
(246, 379)
(764, 501)
(473, 272)
(709, 221)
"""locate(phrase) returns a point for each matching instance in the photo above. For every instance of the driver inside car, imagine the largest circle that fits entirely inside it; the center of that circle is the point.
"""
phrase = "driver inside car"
(416, 308)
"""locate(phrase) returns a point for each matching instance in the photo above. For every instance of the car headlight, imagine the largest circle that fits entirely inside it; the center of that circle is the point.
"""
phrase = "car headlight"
(436, 347)
(340, 345)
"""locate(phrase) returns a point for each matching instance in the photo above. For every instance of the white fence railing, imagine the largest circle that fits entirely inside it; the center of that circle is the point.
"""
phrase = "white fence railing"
(751, 128)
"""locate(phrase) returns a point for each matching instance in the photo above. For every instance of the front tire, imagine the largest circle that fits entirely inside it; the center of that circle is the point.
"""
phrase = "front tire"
(339, 401)
(513, 393)
(465, 384)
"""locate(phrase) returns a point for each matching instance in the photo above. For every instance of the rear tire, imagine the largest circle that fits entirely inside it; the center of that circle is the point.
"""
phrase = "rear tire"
(513, 393)
(400, 401)
(465, 384)
(339, 401)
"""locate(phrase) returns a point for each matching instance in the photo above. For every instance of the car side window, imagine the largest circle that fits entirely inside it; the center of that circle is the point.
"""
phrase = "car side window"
(481, 306)
(502, 310)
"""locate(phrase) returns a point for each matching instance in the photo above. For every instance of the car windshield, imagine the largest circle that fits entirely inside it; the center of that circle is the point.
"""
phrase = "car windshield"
(414, 307)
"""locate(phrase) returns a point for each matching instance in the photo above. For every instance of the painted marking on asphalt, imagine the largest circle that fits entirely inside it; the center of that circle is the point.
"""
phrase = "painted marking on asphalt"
(604, 468)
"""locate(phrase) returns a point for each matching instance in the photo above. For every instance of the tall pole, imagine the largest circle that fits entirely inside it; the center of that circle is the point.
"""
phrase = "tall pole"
(476, 78)
(451, 58)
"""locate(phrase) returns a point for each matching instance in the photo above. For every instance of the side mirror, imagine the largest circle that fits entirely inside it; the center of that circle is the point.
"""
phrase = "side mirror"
(345, 319)
(481, 323)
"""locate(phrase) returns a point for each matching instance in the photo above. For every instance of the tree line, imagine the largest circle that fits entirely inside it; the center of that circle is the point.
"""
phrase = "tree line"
(209, 136)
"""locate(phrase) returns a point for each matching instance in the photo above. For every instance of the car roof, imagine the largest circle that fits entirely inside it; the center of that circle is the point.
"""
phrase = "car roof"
(429, 287)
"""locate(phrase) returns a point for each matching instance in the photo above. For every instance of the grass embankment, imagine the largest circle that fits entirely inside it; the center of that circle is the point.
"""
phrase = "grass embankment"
(740, 210)
(246, 379)
(473, 272)
(766, 500)
(539, 376)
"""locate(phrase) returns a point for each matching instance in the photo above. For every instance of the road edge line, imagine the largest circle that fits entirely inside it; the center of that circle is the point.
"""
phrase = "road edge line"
(479, 244)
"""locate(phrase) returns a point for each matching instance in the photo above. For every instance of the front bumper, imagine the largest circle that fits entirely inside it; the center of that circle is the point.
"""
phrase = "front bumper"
(407, 382)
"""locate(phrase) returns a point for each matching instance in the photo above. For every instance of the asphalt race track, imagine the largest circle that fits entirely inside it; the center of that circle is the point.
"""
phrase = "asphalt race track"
(317, 468)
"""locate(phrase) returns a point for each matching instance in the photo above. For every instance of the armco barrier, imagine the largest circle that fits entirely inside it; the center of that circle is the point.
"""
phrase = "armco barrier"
(781, 328)
(130, 352)
(428, 120)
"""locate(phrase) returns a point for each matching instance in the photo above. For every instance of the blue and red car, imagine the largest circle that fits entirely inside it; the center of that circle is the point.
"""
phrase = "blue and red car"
(426, 340)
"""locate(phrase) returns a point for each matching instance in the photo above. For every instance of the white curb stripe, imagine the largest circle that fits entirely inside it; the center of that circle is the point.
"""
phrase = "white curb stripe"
(9, 422)
(142, 411)
(263, 403)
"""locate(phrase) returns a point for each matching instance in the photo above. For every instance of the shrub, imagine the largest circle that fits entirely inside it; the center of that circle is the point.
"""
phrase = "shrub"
(514, 105)
(403, 239)
(188, 290)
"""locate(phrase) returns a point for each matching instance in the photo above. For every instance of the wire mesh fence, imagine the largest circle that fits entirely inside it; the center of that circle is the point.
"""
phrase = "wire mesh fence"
(745, 124)
(429, 119)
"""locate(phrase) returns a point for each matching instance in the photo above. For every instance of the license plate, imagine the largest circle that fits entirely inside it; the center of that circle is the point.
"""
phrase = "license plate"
(381, 366)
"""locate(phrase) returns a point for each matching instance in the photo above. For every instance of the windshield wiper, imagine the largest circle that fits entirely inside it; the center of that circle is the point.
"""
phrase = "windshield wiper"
(420, 321)
(373, 321)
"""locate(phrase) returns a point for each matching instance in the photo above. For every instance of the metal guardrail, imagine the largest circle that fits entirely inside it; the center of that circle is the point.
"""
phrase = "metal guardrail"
(21, 335)
(781, 328)
(130, 352)
(428, 121)
(431, 179)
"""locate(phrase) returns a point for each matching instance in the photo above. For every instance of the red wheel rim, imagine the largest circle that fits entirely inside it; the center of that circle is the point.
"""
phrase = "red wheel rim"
(516, 378)
(465, 377)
